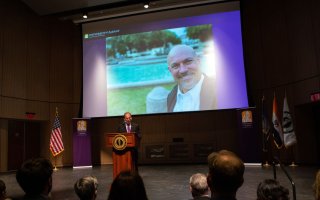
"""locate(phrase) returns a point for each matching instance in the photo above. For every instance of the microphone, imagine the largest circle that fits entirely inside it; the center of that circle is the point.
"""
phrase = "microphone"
(287, 174)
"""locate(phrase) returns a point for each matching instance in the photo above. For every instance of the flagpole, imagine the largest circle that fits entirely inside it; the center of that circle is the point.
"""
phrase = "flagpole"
(55, 157)
(265, 132)
(288, 129)
(293, 163)
(266, 164)
(55, 164)
(56, 144)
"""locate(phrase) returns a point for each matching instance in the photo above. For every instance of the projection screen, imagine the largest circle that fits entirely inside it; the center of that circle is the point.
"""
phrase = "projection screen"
(126, 65)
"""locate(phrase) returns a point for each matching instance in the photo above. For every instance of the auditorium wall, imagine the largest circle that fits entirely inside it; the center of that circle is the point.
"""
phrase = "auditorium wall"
(282, 53)
(41, 66)
(40, 70)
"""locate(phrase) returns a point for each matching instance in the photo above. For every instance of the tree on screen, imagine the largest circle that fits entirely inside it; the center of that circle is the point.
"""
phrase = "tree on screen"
(203, 32)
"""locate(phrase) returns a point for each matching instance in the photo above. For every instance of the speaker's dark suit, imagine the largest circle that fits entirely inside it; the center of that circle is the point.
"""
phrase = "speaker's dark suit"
(136, 130)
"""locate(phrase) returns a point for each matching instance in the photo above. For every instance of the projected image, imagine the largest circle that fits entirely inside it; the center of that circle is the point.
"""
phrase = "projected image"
(182, 64)
(143, 68)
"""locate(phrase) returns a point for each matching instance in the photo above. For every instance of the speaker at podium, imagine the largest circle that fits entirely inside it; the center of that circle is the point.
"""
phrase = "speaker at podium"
(123, 145)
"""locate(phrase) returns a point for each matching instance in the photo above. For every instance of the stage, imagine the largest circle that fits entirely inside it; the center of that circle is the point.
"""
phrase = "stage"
(169, 182)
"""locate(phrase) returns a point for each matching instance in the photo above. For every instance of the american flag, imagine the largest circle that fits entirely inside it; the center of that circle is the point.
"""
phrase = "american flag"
(56, 144)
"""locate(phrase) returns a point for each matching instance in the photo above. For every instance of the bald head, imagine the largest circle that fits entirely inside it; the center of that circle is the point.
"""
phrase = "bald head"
(226, 171)
(198, 185)
(184, 65)
(181, 48)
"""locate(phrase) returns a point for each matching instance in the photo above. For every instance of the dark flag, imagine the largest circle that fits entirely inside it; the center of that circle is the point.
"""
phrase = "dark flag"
(277, 129)
(265, 127)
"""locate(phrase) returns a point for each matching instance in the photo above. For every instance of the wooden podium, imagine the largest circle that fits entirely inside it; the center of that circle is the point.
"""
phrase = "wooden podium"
(122, 151)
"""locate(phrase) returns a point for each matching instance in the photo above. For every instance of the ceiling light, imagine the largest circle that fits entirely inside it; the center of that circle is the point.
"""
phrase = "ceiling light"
(146, 5)
(84, 16)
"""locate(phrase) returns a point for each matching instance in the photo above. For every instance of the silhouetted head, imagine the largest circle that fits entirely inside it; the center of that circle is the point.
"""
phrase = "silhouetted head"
(127, 185)
(198, 185)
(86, 188)
(35, 176)
(270, 189)
(127, 118)
(226, 171)
(2, 190)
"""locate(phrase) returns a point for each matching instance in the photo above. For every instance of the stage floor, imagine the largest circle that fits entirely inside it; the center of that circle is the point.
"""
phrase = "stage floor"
(169, 182)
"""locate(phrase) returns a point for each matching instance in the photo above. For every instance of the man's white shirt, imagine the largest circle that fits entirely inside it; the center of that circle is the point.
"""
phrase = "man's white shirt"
(190, 100)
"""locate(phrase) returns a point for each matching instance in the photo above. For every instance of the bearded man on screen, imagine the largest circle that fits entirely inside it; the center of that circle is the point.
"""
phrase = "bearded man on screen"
(194, 90)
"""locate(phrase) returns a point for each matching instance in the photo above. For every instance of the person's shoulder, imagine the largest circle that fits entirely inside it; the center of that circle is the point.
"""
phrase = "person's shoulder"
(134, 124)
(173, 92)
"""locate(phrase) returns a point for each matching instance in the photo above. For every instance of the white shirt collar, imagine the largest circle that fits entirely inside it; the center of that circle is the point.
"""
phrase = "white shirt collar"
(190, 100)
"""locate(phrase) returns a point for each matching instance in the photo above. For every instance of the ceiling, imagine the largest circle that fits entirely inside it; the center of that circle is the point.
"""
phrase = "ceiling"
(48, 7)
(98, 9)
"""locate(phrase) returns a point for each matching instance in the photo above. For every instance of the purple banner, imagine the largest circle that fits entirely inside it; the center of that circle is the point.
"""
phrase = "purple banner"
(81, 143)
(248, 136)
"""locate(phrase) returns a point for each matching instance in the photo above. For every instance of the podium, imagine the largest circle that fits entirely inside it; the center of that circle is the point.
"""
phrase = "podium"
(123, 145)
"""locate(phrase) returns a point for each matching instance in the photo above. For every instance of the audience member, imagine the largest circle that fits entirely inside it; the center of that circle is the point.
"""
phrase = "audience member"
(226, 171)
(86, 188)
(35, 178)
(128, 185)
(316, 186)
(3, 191)
(199, 187)
(270, 189)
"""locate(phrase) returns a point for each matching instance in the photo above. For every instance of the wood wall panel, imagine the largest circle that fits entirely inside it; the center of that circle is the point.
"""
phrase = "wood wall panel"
(301, 42)
(38, 71)
(61, 62)
(38, 79)
(153, 129)
(253, 54)
(224, 119)
(177, 123)
(176, 133)
(274, 42)
(307, 141)
(14, 57)
(76, 110)
(77, 64)
(41, 109)
(13, 108)
(1, 53)
(303, 89)
(3, 145)
(45, 132)
(290, 44)
(315, 18)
